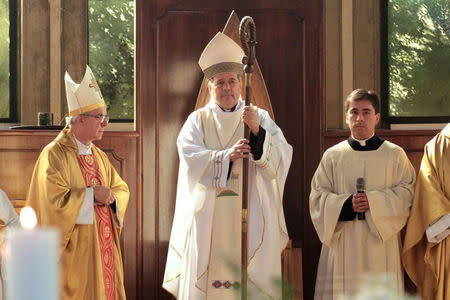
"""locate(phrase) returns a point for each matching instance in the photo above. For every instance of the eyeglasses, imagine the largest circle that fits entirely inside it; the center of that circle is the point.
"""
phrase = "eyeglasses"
(100, 118)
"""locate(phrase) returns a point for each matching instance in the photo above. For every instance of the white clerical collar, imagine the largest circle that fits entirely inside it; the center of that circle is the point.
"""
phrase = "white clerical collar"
(218, 109)
(363, 142)
(82, 148)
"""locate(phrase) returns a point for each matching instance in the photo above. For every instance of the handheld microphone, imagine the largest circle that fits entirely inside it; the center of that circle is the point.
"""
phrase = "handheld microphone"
(361, 188)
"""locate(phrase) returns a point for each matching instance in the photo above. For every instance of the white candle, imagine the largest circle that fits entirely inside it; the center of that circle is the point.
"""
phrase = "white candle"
(32, 267)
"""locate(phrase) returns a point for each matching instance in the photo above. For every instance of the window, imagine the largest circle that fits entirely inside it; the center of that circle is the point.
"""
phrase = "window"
(8, 44)
(417, 61)
(111, 54)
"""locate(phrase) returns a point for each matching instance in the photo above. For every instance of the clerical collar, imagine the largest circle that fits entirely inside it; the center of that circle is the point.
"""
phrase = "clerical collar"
(370, 144)
(82, 148)
(228, 110)
(235, 108)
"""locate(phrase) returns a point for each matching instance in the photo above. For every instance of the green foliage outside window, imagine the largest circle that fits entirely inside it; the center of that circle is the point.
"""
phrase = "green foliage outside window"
(419, 58)
(111, 53)
(4, 60)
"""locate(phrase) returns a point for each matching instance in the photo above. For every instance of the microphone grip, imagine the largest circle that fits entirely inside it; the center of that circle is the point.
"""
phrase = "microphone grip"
(361, 215)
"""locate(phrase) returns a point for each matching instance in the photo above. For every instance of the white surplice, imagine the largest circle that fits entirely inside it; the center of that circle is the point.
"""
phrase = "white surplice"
(353, 248)
(7, 212)
(203, 175)
(11, 220)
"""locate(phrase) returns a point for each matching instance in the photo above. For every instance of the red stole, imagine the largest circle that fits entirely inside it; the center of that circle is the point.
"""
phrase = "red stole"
(92, 176)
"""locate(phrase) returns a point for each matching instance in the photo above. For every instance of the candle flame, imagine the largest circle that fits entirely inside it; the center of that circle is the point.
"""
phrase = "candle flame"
(27, 218)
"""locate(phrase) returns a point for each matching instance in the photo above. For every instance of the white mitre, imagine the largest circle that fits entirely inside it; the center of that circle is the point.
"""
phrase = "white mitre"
(222, 54)
(84, 96)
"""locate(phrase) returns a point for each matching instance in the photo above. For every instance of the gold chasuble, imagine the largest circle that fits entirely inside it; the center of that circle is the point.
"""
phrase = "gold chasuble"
(428, 263)
(91, 259)
(224, 271)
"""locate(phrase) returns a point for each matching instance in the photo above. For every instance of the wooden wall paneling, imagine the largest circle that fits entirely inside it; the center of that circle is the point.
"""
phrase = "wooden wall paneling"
(18, 154)
(56, 71)
(74, 43)
(13, 178)
(313, 125)
(34, 60)
(366, 47)
(333, 56)
(169, 41)
(291, 262)
(122, 149)
(282, 68)
(146, 124)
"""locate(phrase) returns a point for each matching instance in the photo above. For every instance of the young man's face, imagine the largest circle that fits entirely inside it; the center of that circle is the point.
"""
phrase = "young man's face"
(361, 119)
(225, 89)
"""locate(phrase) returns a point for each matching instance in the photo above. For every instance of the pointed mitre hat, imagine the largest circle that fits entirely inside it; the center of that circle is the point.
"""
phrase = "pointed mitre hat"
(222, 54)
(84, 96)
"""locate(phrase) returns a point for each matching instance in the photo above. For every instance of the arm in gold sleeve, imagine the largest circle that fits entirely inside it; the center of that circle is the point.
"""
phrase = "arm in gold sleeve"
(116, 184)
(57, 189)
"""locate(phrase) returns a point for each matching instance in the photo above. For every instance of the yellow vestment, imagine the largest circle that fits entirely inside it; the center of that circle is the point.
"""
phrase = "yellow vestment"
(56, 193)
(427, 264)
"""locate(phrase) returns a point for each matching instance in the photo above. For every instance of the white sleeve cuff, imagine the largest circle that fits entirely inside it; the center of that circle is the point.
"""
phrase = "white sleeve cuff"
(439, 230)
(86, 213)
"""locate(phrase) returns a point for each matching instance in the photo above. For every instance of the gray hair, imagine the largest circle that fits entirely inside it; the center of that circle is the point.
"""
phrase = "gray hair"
(70, 120)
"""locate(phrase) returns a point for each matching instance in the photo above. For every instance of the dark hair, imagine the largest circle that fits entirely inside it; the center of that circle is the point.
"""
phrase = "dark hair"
(363, 94)
(239, 77)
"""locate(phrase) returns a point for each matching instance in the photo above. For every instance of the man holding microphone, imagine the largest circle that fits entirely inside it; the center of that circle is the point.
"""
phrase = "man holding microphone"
(360, 199)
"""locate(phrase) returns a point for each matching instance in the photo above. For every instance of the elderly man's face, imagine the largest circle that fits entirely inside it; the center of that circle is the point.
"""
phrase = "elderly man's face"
(94, 123)
(225, 89)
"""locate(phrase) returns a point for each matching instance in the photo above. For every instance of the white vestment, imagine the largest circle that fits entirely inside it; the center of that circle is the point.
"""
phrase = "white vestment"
(353, 248)
(7, 212)
(203, 176)
(11, 220)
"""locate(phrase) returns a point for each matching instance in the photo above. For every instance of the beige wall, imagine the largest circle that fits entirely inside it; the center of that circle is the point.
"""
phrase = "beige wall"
(352, 53)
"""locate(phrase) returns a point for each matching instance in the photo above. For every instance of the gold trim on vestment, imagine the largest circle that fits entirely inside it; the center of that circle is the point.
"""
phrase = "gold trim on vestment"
(85, 109)
(172, 279)
(206, 271)
(264, 164)
(218, 136)
(260, 289)
(174, 249)
(264, 220)
(207, 268)
(202, 119)
(222, 67)
(239, 127)
(281, 200)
